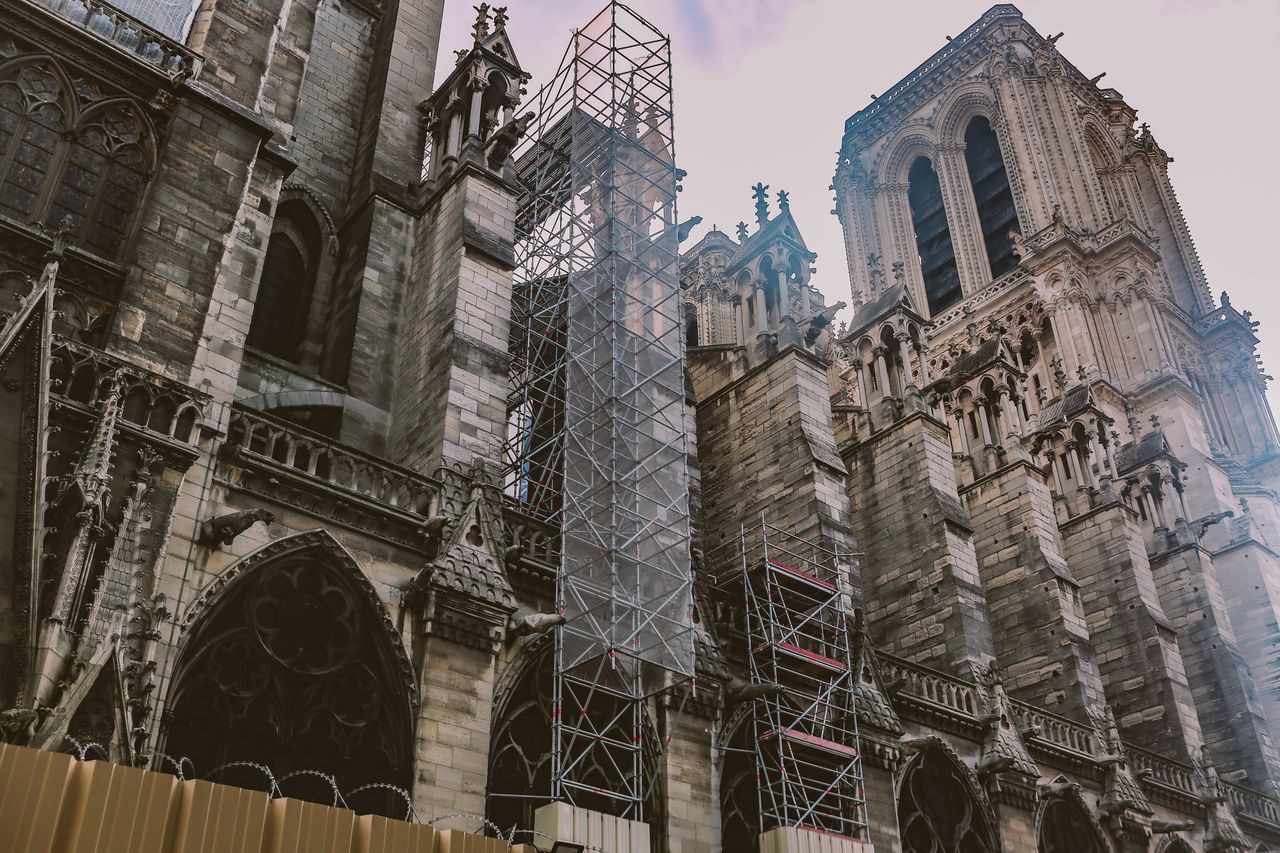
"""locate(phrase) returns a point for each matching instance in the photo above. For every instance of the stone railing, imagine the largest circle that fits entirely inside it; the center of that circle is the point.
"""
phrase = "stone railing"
(1062, 733)
(1162, 770)
(1252, 804)
(157, 407)
(538, 541)
(126, 33)
(931, 686)
(323, 462)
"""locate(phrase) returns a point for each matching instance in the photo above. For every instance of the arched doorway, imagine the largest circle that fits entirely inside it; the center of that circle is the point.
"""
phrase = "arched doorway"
(939, 809)
(288, 664)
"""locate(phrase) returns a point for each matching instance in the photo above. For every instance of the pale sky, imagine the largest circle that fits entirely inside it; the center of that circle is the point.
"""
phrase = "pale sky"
(762, 89)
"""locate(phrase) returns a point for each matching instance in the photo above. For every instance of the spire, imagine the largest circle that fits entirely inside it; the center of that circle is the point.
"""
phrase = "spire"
(760, 191)
(93, 472)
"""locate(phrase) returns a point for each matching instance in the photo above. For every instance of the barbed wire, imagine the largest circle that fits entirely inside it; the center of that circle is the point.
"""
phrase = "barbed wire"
(184, 770)
(83, 749)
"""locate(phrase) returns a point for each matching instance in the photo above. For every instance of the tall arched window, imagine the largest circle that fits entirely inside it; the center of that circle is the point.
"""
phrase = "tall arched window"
(740, 790)
(282, 309)
(937, 809)
(1065, 827)
(520, 752)
(933, 237)
(992, 193)
(60, 164)
(291, 669)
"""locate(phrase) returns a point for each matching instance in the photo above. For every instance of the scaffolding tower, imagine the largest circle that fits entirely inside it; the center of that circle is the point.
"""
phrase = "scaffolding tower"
(808, 755)
(597, 427)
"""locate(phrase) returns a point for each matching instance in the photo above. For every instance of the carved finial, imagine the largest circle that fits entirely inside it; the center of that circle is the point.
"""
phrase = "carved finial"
(875, 272)
(60, 235)
(784, 200)
(500, 17)
(1155, 421)
(971, 326)
(459, 56)
(1226, 300)
(1057, 214)
(1135, 425)
(1059, 375)
(760, 191)
(1244, 505)
(742, 231)
(481, 27)
(1082, 374)
(899, 273)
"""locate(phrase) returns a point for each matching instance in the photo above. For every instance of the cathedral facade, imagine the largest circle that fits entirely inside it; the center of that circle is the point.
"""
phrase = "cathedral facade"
(264, 296)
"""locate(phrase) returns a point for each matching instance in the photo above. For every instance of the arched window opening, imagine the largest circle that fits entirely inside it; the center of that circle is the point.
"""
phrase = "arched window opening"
(992, 193)
(933, 237)
(937, 811)
(103, 179)
(290, 671)
(90, 176)
(520, 755)
(284, 295)
(33, 120)
(691, 328)
(1066, 828)
(739, 791)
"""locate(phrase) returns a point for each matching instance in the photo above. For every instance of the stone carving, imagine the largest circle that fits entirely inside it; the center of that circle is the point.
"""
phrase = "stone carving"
(221, 531)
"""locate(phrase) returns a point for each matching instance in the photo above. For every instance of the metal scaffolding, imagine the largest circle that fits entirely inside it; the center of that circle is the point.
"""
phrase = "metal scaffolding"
(808, 755)
(597, 428)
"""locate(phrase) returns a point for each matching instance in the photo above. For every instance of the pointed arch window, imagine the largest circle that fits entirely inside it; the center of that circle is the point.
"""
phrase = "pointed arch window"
(937, 810)
(283, 324)
(992, 193)
(933, 237)
(1065, 827)
(87, 169)
(290, 671)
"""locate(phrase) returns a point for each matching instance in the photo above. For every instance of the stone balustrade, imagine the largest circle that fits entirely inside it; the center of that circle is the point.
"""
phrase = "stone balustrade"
(157, 407)
(260, 438)
(125, 32)
(1058, 731)
(931, 686)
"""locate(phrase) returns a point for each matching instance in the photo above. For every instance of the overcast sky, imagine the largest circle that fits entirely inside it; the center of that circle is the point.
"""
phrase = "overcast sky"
(763, 87)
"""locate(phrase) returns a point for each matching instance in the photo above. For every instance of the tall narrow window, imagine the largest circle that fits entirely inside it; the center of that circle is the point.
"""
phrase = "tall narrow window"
(933, 237)
(992, 193)
(33, 122)
(284, 297)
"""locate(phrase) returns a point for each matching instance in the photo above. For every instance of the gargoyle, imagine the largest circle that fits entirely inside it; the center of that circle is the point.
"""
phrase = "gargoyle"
(684, 228)
(521, 624)
(17, 721)
(222, 530)
(1160, 827)
(1202, 525)
(917, 743)
(820, 321)
(504, 139)
(738, 690)
(1059, 786)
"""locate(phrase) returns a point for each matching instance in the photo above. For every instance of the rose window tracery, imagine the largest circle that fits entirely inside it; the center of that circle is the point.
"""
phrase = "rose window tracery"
(286, 671)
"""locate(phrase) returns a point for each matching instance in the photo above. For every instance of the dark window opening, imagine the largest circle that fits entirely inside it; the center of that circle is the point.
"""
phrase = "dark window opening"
(691, 331)
(284, 295)
(933, 237)
(992, 193)
(87, 172)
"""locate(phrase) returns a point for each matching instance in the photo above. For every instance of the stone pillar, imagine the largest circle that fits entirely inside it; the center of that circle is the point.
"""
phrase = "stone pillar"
(925, 603)
(451, 381)
(1136, 645)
